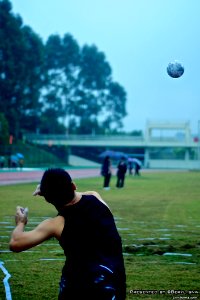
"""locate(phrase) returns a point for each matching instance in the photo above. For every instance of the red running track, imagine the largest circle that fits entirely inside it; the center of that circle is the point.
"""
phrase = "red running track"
(21, 176)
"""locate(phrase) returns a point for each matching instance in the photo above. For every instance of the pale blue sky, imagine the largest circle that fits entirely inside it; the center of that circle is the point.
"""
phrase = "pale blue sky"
(139, 39)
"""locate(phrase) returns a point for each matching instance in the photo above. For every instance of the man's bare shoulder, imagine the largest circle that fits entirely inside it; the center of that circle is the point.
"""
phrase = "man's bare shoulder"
(96, 194)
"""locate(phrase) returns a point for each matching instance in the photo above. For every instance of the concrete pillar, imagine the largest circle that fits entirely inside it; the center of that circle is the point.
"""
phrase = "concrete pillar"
(146, 158)
(68, 152)
(187, 154)
(187, 133)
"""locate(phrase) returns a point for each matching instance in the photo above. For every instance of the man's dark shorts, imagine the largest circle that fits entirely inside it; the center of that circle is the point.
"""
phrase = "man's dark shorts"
(98, 285)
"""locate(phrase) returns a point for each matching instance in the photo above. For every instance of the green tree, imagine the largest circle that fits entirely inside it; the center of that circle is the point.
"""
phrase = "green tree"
(81, 84)
(58, 83)
(95, 71)
(32, 80)
(4, 130)
(62, 65)
(100, 104)
(93, 80)
(115, 107)
(21, 52)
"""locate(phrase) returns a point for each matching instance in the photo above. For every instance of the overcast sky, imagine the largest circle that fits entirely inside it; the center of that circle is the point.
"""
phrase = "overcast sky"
(139, 39)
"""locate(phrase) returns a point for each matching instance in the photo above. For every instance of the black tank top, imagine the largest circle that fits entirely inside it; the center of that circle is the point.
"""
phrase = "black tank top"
(90, 237)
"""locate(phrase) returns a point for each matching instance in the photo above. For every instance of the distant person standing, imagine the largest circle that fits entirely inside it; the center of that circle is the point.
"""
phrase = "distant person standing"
(106, 172)
(137, 169)
(9, 161)
(130, 166)
(21, 160)
(21, 163)
(14, 161)
(2, 161)
(138, 166)
(121, 172)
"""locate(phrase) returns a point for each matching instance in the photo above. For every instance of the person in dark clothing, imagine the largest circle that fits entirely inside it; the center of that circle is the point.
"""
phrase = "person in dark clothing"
(130, 166)
(137, 169)
(121, 172)
(86, 230)
(106, 172)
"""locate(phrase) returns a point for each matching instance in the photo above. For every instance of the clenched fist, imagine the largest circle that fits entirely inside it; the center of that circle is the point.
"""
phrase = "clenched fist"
(21, 215)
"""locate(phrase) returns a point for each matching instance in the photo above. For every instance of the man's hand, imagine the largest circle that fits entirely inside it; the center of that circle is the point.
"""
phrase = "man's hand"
(21, 215)
(37, 191)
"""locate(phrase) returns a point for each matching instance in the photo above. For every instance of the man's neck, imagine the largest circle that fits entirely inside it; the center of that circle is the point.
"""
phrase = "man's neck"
(77, 198)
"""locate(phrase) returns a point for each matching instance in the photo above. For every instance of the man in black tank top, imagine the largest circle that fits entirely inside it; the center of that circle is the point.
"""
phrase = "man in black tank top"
(86, 230)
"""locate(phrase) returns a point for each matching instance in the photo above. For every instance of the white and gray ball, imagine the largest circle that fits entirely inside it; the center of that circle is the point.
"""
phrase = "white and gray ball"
(175, 69)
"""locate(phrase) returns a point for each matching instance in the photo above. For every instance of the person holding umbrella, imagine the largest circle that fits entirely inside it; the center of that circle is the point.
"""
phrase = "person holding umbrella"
(121, 171)
(20, 160)
(138, 166)
(106, 172)
(130, 166)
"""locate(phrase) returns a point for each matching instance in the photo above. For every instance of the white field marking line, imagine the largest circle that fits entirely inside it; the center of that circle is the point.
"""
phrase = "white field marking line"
(5, 223)
(178, 254)
(39, 259)
(32, 251)
(5, 281)
(51, 259)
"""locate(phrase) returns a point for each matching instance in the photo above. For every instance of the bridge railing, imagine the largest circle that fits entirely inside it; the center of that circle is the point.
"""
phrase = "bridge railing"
(73, 137)
(32, 137)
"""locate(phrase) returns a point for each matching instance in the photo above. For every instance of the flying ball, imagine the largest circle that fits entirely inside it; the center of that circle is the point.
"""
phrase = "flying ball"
(175, 69)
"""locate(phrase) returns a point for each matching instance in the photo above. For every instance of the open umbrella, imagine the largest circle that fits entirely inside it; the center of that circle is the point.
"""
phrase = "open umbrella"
(20, 155)
(135, 160)
(14, 158)
(113, 154)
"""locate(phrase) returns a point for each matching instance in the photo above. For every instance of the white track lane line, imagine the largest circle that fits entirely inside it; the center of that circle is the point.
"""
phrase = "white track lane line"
(5, 281)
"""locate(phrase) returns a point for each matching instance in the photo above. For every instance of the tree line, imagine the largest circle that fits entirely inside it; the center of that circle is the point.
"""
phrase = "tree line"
(55, 86)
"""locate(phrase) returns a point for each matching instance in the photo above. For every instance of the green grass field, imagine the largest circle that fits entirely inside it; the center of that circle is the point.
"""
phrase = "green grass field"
(158, 218)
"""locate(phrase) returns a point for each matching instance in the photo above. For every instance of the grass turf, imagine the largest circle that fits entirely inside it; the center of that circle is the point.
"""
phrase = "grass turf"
(157, 216)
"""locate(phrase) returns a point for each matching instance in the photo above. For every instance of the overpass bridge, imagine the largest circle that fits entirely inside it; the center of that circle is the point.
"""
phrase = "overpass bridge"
(109, 141)
(150, 144)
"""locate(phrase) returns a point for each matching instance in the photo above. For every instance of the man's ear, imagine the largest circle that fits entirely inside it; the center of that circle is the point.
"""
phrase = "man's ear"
(73, 186)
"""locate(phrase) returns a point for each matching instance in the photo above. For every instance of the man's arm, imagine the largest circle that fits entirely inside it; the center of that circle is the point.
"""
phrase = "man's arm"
(21, 240)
